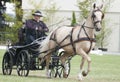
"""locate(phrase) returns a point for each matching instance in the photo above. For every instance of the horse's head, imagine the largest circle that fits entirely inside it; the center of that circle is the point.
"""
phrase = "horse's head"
(97, 16)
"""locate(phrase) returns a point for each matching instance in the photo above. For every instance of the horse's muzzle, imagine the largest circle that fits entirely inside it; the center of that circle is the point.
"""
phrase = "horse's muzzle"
(97, 29)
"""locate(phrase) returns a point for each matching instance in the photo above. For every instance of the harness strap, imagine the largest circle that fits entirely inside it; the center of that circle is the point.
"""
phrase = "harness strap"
(78, 40)
(72, 42)
(53, 37)
(80, 31)
(86, 33)
(91, 41)
(90, 47)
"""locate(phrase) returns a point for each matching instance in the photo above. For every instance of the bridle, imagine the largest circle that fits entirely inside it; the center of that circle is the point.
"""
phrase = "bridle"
(93, 20)
(98, 21)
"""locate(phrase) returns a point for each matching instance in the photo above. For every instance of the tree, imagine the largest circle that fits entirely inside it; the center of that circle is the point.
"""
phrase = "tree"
(102, 36)
(13, 30)
(17, 20)
(2, 11)
(73, 19)
(18, 8)
(85, 7)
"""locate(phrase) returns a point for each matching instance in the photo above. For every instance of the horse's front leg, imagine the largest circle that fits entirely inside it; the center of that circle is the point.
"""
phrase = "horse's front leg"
(48, 57)
(81, 68)
(84, 57)
(84, 73)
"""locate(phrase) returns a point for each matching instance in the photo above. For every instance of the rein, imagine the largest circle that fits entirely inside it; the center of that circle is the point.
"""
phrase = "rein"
(86, 26)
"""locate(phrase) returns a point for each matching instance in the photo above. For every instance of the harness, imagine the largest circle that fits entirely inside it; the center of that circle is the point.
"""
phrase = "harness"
(72, 42)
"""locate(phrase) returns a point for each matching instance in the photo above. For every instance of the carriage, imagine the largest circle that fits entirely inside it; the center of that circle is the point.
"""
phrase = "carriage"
(25, 58)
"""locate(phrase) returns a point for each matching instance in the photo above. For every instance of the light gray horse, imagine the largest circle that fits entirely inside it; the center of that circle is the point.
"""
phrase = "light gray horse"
(78, 40)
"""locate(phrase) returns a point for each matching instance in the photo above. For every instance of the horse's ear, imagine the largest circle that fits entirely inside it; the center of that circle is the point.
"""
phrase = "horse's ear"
(94, 5)
(101, 6)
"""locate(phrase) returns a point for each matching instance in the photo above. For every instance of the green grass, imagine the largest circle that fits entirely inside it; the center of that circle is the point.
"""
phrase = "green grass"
(104, 68)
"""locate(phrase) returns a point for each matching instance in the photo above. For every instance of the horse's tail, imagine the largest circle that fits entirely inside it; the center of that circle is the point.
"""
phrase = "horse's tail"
(44, 47)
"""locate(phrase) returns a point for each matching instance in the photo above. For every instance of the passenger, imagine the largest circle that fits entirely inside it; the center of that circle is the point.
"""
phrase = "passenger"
(35, 28)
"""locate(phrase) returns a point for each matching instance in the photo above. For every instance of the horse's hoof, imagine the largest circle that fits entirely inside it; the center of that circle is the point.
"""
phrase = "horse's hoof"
(84, 73)
(80, 77)
(65, 75)
(48, 74)
(48, 77)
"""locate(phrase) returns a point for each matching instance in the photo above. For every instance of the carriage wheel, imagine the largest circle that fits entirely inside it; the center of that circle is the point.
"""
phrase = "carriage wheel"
(23, 63)
(61, 74)
(57, 70)
(7, 64)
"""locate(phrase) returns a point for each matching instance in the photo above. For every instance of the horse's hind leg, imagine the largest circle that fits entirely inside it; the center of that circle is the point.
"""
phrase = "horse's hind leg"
(63, 59)
(84, 57)
(47, 58)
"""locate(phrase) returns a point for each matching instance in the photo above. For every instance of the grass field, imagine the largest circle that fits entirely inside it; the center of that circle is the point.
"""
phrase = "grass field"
(105, 68)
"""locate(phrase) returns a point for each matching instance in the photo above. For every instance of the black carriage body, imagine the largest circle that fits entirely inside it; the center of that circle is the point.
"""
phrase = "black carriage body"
(15, 55)
(31, 50)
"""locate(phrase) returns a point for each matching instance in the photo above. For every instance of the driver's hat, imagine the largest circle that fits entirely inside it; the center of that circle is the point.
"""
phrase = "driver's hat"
(37, 13)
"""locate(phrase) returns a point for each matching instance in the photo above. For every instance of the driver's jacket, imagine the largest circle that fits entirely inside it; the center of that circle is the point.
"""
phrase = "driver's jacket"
(34, 30)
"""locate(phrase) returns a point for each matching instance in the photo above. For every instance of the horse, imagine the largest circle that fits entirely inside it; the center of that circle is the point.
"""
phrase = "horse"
(75, 40)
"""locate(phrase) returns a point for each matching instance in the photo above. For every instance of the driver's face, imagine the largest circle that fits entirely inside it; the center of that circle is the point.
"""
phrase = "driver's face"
(36, 17)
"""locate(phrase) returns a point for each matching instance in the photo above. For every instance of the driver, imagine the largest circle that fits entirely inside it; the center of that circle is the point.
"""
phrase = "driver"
(35, 28)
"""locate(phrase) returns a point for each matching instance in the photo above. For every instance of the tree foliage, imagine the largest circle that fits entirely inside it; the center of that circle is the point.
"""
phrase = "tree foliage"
(17, 20)
(49, 10)
(85, 6)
